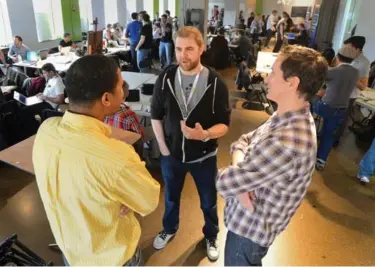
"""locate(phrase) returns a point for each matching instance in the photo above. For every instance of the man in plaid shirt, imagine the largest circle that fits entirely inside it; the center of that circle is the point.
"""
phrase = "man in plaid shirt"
(273, 165)
(125, 118)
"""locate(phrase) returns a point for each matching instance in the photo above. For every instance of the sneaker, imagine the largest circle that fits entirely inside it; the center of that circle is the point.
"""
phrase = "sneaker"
(364, 179)
(320, 165)
(212, 249)
(162, 239)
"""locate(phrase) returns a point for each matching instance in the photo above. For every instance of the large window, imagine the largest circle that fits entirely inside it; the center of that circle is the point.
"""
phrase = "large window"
(5, 31)
(110, 11)
(85, 10)
(49, 19)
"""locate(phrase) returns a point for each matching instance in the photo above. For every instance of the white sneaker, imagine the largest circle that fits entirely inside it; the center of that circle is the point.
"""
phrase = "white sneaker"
(162, 239)
(364, 179)
(213, 252)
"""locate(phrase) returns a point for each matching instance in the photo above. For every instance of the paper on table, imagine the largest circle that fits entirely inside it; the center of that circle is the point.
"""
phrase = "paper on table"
(125, 136)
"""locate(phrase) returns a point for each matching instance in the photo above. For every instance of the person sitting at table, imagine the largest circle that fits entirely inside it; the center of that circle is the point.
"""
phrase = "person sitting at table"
(18, 49)
(66, 42)
(301, 38)
(125, 118)
(332, 107)
(243, 51)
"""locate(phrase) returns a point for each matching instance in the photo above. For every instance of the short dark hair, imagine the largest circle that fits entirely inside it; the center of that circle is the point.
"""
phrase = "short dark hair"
(19, 38)
(48, 67)
(134, 15)
(66, 34)
(306, 64)
(164, 16)
(89, 78)
(168, 12)
(146, 17)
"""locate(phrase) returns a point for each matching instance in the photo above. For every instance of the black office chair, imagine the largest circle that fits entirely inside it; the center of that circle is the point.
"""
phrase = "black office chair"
(14, 253)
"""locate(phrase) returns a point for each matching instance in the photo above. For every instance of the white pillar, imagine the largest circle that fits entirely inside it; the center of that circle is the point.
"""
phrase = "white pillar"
(231, 11)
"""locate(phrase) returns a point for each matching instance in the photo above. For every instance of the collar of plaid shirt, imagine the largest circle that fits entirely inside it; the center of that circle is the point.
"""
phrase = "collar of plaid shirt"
(278, 166)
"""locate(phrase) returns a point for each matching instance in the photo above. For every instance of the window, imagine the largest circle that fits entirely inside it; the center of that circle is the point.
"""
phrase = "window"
(110, 11)
(172, 7)
(148, 5)
(49, 19)
(5, 31)
(85, 10)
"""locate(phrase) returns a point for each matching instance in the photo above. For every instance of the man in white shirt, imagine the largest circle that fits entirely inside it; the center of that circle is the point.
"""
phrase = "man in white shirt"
(271, 26)
(54, 92)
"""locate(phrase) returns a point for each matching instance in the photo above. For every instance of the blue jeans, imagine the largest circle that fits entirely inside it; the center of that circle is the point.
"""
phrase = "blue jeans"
(333, 118)
(142, 55)
(367, 164)
(136, 260)
(165, 54)
(133, 45)
(204, 175)
(241, 251)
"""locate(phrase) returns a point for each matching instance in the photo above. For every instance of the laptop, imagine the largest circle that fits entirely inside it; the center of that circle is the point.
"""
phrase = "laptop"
(65, 50)
(43, 54)
(27, 101)
(31, 57)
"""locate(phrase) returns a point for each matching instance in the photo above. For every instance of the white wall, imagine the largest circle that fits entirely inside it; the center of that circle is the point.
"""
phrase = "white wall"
(366, 22)
(22, 21)
(340, 26)
(269, 5)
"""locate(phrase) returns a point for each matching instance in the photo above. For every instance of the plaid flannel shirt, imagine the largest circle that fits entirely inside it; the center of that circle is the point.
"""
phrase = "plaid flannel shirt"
(125, 119)
(278, 166)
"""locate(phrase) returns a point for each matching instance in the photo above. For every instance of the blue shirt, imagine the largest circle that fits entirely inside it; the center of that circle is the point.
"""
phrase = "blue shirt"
(133, 31)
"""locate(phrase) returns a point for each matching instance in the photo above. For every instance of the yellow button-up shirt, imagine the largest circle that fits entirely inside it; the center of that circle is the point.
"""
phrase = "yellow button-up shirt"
(83, 178)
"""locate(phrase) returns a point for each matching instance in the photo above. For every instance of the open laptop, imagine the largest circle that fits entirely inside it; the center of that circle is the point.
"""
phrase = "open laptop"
(65, 50)
(43, 54)
(31, 57)
(27, 101)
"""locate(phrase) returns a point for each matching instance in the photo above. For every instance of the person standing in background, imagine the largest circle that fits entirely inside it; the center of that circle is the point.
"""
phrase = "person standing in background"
(166, 42)
(271, 27)
(280, 28)
(169, 18)
(250, 19)
(132, 35)
(145, 44)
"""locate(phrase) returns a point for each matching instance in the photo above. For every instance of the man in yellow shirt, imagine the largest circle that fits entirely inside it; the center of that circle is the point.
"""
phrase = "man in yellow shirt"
(91, 184)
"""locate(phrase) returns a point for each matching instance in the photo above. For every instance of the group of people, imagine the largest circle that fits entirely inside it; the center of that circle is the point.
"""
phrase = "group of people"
(144, 35)
(92, 185)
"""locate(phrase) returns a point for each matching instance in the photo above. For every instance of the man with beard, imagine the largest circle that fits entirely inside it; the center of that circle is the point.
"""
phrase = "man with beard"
(190, 111)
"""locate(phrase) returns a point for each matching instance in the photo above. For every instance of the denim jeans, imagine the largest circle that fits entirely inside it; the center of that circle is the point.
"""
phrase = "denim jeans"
(241, 251)
(367, 164)
(133, 45)
(165, 54)
(136, 260)
(204, 175)
(142, 55)
(333, 118)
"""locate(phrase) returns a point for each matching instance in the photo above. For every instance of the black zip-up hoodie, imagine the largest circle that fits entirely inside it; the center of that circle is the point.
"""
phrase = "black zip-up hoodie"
(213, 108)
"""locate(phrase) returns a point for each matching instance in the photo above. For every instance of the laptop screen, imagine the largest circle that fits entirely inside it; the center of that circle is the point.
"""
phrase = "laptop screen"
(32, 56)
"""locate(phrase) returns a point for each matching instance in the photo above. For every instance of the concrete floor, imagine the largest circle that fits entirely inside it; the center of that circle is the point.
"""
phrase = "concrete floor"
(334, 226)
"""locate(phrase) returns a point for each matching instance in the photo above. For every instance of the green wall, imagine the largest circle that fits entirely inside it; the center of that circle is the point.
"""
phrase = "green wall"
(177, 8)
(259, 7)
(156, 7)
(71, 18)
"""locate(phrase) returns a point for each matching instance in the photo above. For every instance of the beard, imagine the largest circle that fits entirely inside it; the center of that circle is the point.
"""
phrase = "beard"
(189, 65)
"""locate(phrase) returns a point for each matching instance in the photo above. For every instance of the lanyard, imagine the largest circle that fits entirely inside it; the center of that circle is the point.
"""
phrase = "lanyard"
(186, 103)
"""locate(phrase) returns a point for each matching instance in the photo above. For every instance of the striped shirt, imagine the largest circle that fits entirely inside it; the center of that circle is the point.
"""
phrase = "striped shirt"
(278, 166)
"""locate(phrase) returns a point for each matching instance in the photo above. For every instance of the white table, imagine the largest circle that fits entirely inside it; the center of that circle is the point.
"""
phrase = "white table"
(135, 80)
(114, 50)
(61, 62)
(367, 99)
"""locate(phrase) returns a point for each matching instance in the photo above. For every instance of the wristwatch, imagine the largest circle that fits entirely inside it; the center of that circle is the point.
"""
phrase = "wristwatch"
(208, 136)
